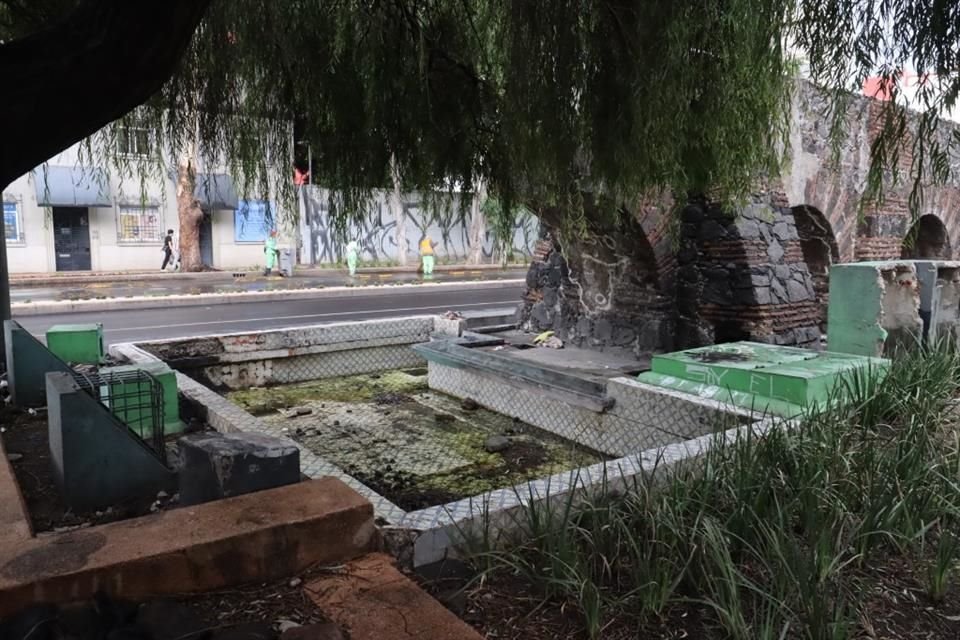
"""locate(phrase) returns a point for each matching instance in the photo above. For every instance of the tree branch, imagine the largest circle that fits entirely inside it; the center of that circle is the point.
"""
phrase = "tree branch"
(92, 67)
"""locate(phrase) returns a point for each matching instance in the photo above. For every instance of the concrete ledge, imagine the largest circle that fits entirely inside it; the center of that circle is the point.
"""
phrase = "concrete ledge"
(14, 520)
(250, 538)
(371, 600)
(23, 309)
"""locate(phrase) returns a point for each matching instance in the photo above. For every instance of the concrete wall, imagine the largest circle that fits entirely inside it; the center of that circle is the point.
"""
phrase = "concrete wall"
(377, 232)
(35, 254)
(238, 361)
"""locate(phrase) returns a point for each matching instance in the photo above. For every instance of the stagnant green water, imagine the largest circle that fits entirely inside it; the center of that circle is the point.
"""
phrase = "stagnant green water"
(412, 445)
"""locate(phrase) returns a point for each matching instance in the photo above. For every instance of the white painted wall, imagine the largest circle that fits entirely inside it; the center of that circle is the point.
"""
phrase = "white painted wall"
(36, 253)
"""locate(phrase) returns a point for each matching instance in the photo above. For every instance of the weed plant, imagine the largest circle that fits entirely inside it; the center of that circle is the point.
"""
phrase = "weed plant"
(772, 535)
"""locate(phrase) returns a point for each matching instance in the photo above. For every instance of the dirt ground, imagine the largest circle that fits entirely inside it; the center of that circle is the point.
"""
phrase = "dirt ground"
(25, 438)
(255, 612)
(503, 607)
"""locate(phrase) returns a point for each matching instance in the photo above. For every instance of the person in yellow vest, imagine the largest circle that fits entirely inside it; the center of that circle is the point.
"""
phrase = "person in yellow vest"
(426, 255)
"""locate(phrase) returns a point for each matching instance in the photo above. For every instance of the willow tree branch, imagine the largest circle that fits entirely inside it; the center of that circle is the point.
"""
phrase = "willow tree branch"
(90, 68)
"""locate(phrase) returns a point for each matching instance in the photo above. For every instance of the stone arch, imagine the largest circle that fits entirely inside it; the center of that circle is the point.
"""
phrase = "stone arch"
(602, 289)
(819, 247)
(741, 276)
(927, 238)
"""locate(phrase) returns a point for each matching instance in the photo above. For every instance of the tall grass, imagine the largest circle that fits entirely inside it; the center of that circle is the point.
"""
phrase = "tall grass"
(771, 533)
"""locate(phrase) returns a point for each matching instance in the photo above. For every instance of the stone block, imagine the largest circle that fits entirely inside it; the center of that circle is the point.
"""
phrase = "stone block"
(775, 251)
(776, 287)
(783, 232)
(219, 465)
(373, 600)
(749, 229)
(711, 231)
(797, 292)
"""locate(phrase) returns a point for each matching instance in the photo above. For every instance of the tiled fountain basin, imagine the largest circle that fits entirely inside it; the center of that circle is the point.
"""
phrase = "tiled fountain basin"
(629, 428)
(414, 446)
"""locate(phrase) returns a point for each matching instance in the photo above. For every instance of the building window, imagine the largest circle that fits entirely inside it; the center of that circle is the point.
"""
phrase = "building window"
(12, 224)
(135, 141)
(139, 224)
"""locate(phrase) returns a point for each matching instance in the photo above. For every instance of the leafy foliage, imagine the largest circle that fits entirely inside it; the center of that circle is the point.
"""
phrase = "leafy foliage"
(775, 534)
(546, 101)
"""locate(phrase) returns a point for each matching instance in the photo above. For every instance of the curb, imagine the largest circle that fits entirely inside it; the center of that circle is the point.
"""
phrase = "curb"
(25, 309)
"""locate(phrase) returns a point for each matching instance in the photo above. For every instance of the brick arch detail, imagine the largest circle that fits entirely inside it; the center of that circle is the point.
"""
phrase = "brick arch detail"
(741, 276)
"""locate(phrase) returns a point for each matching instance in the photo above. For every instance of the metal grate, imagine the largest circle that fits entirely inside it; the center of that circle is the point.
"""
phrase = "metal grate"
(135, 398)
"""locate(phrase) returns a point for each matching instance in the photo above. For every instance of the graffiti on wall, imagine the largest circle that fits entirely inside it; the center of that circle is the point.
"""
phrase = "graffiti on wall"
(376, 233)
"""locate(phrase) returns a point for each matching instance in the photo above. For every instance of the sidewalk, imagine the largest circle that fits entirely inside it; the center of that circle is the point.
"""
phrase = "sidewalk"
(85, 277)
(104, 286)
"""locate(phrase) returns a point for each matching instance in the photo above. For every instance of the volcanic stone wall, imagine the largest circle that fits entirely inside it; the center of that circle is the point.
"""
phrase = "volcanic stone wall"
(601, 291)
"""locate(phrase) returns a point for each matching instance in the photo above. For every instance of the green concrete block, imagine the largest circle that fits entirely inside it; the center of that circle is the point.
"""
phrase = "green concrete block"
(874, 307)
(77, 343)
(760, 377)
(167, 378)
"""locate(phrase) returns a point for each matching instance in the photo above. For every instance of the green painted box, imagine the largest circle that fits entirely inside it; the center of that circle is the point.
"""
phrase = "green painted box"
(77, 343)
(760, 377)
(167, 378)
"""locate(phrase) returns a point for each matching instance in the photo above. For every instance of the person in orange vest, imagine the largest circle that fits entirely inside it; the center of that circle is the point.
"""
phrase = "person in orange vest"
(426, 255)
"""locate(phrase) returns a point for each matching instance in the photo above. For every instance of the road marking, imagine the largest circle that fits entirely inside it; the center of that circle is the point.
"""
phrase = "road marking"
(458, 273)
(309, 315)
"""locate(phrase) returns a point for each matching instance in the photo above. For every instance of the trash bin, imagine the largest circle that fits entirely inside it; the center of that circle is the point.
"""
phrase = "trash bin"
(286, 262)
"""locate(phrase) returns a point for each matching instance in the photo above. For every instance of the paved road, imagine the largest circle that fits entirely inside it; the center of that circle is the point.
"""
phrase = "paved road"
(223, 283)
(128, 326)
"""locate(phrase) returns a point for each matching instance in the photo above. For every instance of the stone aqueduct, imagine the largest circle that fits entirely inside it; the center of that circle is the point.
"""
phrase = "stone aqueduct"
(758, 275)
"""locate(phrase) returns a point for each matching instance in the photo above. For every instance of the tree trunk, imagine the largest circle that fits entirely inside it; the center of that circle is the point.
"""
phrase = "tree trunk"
(478, 225)
(399, 216)
(189, 213)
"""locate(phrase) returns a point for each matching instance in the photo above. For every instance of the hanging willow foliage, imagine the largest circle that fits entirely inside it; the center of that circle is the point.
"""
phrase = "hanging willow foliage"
(545, 101)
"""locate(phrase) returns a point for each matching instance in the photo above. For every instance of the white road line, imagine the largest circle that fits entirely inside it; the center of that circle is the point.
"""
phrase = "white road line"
(311, 315)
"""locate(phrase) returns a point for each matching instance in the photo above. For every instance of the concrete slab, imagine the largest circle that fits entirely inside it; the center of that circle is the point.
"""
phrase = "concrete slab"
(372, 600)
(250, 538)
(759, 377)
(587, 362)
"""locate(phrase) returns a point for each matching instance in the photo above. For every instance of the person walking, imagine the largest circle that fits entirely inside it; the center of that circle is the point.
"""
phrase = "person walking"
(270, 251)
(167, 250)
(427, 258)
(353, 256)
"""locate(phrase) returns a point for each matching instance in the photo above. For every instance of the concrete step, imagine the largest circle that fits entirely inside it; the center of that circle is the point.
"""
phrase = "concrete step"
(480, 320)
(255, 537)
(371, 600)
